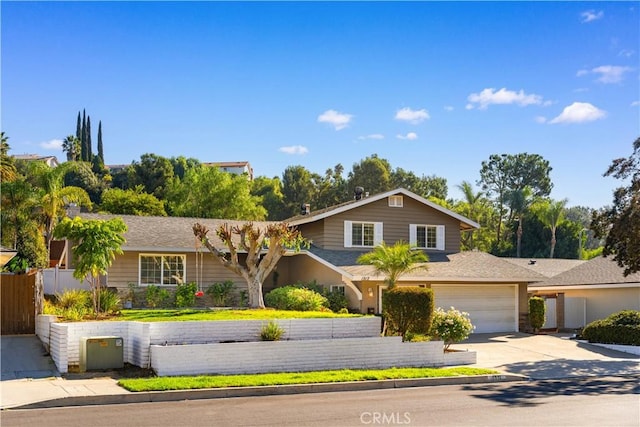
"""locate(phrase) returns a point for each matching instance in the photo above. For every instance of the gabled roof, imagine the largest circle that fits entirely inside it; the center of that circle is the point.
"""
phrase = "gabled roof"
(469, 266)
(596, 271)
(165, 233)
(548, 267)
(465, 223)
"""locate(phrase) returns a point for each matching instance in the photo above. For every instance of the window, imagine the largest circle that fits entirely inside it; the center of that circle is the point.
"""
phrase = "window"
(395, 201)
(363, 234)
(162, 270)
(337, 288)
(427, 236)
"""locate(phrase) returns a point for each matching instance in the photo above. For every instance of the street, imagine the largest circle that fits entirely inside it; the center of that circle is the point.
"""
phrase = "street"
(610, 401)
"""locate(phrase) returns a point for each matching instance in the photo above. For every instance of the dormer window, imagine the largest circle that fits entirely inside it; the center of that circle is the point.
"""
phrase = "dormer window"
(395, 201)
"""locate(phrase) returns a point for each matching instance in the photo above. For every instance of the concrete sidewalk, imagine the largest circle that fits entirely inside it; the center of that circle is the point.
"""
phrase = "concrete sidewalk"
(30, 381)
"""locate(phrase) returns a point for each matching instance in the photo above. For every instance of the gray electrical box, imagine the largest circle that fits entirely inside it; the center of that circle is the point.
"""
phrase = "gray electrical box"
(98, 353)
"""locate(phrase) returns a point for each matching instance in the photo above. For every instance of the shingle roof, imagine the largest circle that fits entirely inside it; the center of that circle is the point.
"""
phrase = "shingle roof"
(158, 233)
(597, 271)
(548, 267)
(471, 266)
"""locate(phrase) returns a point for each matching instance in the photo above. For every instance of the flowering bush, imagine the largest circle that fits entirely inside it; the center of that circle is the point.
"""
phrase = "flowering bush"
(450, 326)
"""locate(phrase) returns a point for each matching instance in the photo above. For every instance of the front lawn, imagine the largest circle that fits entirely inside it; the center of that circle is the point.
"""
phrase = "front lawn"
(343, 375)
(186, 314)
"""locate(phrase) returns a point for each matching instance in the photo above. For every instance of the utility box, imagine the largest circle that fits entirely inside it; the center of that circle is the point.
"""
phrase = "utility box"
(98, 353)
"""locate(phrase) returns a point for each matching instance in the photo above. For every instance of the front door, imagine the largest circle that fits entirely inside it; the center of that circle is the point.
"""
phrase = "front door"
(381, 289)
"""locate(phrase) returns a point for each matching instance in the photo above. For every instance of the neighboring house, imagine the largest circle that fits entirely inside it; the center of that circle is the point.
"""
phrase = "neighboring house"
(163, 251)
(51, 161)
(589, 291)
(237, 168)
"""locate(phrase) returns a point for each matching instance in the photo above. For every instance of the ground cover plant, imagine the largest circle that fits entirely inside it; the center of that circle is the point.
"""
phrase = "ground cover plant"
(316, 377)
(191, 314)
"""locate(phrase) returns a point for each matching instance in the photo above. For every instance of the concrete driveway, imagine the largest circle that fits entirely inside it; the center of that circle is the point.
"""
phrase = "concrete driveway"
(548, 356)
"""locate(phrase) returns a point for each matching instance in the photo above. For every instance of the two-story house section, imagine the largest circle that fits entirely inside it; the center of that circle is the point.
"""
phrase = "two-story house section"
(490, 289)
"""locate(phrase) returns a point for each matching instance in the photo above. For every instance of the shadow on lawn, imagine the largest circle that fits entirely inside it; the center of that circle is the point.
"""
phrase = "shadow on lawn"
(529, 394)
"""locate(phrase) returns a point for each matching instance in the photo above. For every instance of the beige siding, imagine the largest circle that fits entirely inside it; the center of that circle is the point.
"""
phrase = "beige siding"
(314, 232)
(395, 221)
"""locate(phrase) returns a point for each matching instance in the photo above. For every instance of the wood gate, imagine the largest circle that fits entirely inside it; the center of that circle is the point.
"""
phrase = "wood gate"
(18, 303)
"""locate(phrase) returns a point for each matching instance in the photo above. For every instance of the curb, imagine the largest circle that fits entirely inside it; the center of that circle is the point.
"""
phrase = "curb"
(220, 393)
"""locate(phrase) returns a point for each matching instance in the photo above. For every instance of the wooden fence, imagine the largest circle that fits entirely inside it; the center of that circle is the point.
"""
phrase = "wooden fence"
(18, 299)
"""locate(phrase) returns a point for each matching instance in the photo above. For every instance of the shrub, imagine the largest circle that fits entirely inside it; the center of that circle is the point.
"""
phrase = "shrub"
(537, 313)
(74, 298)
(186, 295)
(408, 309)
(337, 300)
(271, 332)
(109, 301)
(220, 293)
(619, 328)
(156, 296)
(293, 298)
(451, 326)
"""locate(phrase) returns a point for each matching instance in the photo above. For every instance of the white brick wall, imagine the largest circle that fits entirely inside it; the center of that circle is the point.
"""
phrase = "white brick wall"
(294, 356)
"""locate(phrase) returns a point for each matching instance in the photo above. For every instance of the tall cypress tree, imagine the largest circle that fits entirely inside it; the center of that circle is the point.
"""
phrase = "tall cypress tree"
(83, 138)
(79, 128)
(88, 136)
(100, 149)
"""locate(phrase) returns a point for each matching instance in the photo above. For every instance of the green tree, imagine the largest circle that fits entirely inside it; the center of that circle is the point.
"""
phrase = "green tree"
(88, 143)
(100, 146)
(371, 173)
(298, 188)
(394, 261)
(83, 139)
(470, 207)
(153, 172)
(96, 243)
(270, 191)
(131, 202)
(182, 164)
(425, 186)
(331, 189)
(506, 173)
(551, 214)
(208, 192)
(619, 224)
(81, 175)
(79, 134)
(278, 238)
(519, 201)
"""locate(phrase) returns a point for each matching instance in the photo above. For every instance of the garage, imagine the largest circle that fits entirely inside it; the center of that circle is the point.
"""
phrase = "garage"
(492, 308)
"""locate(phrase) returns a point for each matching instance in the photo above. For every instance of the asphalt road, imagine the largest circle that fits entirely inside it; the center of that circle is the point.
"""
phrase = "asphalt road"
(568, 402)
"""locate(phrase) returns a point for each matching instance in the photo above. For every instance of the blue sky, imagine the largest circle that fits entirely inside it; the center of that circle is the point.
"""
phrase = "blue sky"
(435, 88)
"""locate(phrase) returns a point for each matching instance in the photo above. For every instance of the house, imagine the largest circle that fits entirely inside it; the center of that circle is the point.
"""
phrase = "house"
(237, 168)
(51, 161)
(163, 251)
(589, 291)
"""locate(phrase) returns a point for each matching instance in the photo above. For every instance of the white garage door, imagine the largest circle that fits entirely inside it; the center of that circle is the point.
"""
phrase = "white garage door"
(491, 308)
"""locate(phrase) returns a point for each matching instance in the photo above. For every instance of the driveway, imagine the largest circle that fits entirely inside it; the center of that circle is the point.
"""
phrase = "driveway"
(23, 356)
(548, 356)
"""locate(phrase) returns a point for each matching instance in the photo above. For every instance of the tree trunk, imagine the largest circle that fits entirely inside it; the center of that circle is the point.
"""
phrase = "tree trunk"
(255, 293)
(553, 243)
(519, 238)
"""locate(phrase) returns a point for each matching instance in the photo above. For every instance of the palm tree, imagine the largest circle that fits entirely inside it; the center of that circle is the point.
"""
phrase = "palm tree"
(473, 201)
(394, 261)
(551, 214)
(519, 202)
(54, 195)
(71, 145)
(7, 167)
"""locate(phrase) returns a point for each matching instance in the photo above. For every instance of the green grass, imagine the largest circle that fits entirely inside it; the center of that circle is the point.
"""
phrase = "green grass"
(344, 375)
(186, 314)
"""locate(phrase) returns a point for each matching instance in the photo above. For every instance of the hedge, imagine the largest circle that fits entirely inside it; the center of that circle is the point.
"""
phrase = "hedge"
(408, 309)
(622, 328)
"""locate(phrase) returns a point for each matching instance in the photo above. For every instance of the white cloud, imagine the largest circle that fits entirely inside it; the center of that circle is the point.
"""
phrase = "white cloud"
(448, 108)
(490, 96)
(591, 15)
(610, 73)
(336, 119)
(540, 119)
(412, 116)
(579, 112)
(581, 73)
(411, 136)
(627, 53)
(54, 144)
(372, 136)
(635, 103)
(294, 149)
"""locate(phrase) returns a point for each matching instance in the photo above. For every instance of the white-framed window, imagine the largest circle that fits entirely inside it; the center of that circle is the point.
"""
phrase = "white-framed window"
(426, 236)
(337, 288)
(395, 201)
(362, 234)
(162, 270)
